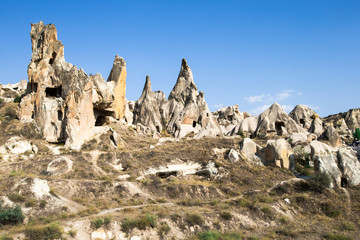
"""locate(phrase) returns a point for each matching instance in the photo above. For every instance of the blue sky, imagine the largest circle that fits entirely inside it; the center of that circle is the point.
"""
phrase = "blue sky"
(250, 53)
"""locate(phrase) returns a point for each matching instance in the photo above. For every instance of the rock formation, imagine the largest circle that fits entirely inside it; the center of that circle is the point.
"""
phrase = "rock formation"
(303, 116)
(277, 121)
(352, 118)
(147, 110)
(278, 153)
(64, 102)
(229, 117)
(186, 110)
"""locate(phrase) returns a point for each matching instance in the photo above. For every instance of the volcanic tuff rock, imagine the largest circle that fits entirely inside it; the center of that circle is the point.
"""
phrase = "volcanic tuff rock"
(147, 110)
(352, 118)
(276, 120)
(186, 110)
(64, 102)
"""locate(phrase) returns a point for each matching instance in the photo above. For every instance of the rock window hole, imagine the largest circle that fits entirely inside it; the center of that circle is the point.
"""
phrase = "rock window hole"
(194, 123)
(60, 115)
(344, 182)
(52, 59)
(302, 122)
(53, 92)
(278, 126)
(157, 128)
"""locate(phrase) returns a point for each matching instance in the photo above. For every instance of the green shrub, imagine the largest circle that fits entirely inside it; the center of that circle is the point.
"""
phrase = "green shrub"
(43, 203)
(194, 219)
(5, 238)
(346, 226)
(210, 235)
(330, 209)
(320, 181)
(97, 223)
(10, 215)
(107, 221)
(356, 134)
(15, 197)
(331, 236)
(17, 99)
(226, 215)
(267, 211)
(48, 232)
(142, 222)
(10, 112)
(241, 133)
(1, 100)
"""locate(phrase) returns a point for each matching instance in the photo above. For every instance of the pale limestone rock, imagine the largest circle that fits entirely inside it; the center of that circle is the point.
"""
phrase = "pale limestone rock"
(248, 125)
(277, 153)
(352, 118)
(233, 155)
(349, 166)
(135, 238)
(147, 110)
(117, 78)
(99, 234)
(16, 146)
(332, 136)
(316, 126)
(250, 149)
(277, 121)
(302, 115)
(297, 138)
(40, 188)
(59, 166)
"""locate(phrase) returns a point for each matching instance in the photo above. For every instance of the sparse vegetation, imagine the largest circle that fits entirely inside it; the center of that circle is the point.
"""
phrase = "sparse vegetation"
(142, 222)
(331, 236)
(48, 232)
(10, 215)
(356, 134)
(211, 235)
(194, 219)
(320, 181)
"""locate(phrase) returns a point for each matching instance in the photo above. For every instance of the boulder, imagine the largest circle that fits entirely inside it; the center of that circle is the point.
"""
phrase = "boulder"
(249, 149)
(233, 155)
(275, 120)
(247, 125)
(297, 138)
(277, 153)
(316, 126)
(349, 166)
(99, 234)
(59, 166)
(16, 146)
(147, 110)
(302, 115)
(332, 136)
(325, 161)
(230, 115)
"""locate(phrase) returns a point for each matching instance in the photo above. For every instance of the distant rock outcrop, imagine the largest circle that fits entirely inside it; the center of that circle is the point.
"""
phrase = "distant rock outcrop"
(67, 104)
(277, 121)
(147, 110)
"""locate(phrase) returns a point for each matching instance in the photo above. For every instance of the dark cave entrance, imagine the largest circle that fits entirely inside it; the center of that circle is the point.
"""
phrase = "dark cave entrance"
(278, 127)
(53, 92)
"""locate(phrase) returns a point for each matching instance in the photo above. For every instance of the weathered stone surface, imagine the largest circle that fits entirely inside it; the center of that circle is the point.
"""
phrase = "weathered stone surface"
(99, 234)
(230, 115)
(325, 161)
(233, 155)
(332, 136)
(249, 149)
(303, 116)
(147, 110)
(117, 78)
(298, 138)
(277, 121)
(277, 153)
(349, 166)
(67, 104)
(186, 110)
(59, 166)
(352, 118)
(316, 126)
(247, 126)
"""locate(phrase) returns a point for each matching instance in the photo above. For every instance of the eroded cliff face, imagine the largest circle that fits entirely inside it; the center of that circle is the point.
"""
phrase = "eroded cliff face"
(67, 104)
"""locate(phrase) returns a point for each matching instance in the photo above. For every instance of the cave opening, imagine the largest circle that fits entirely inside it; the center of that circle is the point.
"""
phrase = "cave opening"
(194, 124)
(278, 127)
(53, 92)
(157, 129)
(60, 115)
(100, 121)
(52, 59)
(302, 122)
(344, 182)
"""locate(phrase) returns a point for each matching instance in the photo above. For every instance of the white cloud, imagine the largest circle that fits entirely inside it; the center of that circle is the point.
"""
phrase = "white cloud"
(260, 109)
(313, 107)
(218, 106)
(269, 98)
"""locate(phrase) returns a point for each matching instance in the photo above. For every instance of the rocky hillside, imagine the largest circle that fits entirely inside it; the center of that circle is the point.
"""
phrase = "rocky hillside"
(79, 161)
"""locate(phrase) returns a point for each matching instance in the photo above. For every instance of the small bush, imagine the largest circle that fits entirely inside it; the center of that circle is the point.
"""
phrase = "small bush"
(356, 134)
(241, 133)
(15, 197)
(5, 238)
(107, 221)
(320, 181)
(141, 223)
(97, 223)
(226, 215)
(211, 235)
(267, 211)
(30, 202)
(194, 219)
(1, 100)
(43, 203)
(164, 229)
(49, 232)
(10, 215)
(17, 99)
(10, 112)
(331, 236)
(346, 226)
